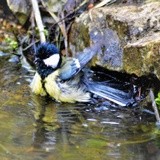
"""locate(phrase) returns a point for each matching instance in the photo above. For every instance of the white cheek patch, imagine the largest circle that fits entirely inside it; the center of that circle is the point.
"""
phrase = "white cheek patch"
(52, 61)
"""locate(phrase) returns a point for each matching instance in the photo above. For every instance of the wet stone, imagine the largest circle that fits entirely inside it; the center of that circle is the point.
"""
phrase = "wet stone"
(131, 37)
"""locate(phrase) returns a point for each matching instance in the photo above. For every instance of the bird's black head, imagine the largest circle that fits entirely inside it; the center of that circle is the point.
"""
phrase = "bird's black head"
(46, 50)
(47, 59)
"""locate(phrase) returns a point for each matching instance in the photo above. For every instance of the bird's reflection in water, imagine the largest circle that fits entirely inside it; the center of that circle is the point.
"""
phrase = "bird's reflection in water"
(53, 122)
(77, 130)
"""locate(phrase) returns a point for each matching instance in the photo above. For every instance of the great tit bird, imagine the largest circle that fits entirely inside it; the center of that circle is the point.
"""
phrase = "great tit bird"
(65, 80)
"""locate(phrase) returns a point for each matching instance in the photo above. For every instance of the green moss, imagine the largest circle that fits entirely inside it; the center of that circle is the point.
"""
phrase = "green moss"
(80, 37)
(132, 60)
(142, 59)
(12, 43)
(120, 27)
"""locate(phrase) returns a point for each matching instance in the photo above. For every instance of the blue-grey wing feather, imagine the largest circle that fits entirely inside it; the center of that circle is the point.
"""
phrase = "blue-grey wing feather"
(70, 68)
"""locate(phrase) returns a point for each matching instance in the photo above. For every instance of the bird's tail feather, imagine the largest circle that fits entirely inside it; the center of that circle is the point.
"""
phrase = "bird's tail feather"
(114, 95)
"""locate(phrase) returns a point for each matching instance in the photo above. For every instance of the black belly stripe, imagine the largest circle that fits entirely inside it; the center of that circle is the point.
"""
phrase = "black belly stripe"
(43, 86)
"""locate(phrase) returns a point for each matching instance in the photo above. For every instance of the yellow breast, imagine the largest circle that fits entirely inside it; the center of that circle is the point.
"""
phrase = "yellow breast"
(65, 91)
(51, 85)
(36, 85)
(61, 91)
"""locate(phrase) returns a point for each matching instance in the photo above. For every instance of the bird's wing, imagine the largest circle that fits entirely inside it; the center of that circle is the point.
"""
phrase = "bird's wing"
(85, 56)
(69, 68)
(72, 66)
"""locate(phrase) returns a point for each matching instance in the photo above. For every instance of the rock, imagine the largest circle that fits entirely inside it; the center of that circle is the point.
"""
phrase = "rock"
(54, 5)
(131, 37)
(21, 9)
(143, 56)
(110, 54)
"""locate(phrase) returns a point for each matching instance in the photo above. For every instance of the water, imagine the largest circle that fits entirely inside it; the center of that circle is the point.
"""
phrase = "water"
(37, 128)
